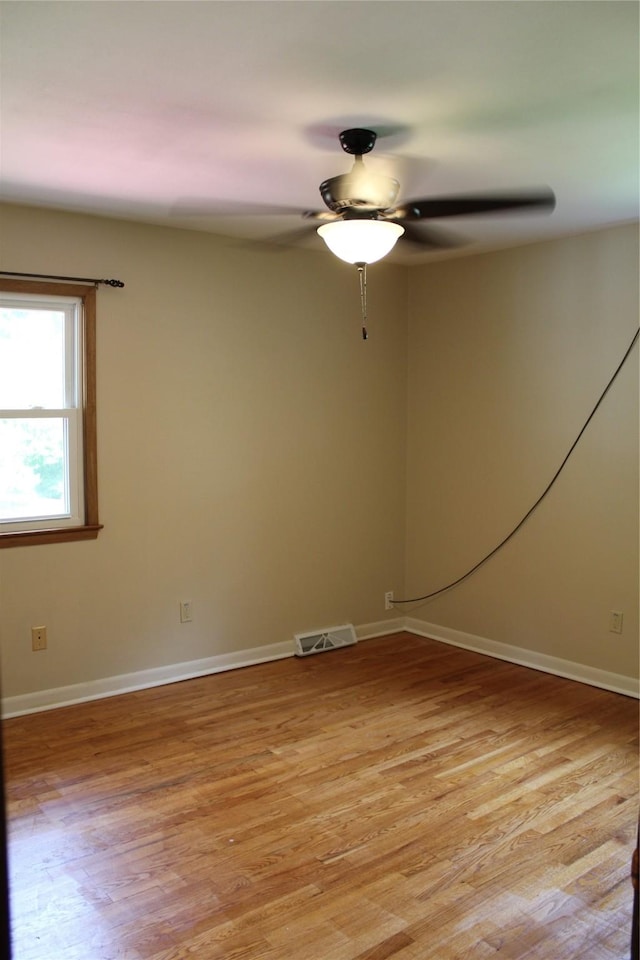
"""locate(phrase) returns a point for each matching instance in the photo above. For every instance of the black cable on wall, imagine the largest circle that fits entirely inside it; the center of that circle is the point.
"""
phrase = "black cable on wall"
(476, 566)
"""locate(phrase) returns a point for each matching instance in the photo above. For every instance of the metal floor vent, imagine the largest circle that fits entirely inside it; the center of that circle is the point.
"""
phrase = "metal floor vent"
(321, 640)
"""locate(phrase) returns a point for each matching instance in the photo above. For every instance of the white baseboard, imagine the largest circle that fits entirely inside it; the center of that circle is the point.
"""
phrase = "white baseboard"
(382, 628)
(143, 679)
(126, 683)
(42, 700)
(616, 682)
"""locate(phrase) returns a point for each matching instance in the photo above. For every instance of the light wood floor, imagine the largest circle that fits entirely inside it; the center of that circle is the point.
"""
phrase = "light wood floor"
(399, 799)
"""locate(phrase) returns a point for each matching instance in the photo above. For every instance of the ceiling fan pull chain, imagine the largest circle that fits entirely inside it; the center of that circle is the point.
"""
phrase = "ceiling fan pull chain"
(362, 273)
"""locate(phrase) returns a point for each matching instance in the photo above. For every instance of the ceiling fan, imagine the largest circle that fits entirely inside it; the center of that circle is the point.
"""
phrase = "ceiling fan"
(363, 220)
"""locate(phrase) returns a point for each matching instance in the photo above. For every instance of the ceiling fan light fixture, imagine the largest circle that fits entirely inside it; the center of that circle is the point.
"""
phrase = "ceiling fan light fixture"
(360, 241)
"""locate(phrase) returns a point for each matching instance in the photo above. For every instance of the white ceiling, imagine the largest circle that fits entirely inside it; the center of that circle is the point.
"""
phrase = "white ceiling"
(177, 112)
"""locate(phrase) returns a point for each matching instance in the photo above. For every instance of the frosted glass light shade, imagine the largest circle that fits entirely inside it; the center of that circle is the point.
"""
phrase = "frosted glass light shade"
(360, 241)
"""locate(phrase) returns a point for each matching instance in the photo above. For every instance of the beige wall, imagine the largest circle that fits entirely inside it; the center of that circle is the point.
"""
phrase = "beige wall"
(256, 457)
(508, 354)
(251, 453)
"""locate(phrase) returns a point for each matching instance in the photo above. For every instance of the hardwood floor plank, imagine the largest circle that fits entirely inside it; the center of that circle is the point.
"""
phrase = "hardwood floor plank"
(391, 947)
(398, 799)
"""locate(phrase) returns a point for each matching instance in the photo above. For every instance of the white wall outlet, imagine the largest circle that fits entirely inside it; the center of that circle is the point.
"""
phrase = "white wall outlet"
(388, 600)
(38, 638)
(615, 622)
(185, 611)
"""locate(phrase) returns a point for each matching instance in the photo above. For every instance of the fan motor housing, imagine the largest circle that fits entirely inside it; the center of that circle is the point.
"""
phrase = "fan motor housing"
(365, 191)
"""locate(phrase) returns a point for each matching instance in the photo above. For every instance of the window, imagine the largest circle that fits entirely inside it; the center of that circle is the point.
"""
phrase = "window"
(48, 475)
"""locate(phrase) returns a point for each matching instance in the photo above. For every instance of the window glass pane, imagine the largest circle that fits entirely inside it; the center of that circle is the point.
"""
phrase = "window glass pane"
(33, 481)
(32, 358)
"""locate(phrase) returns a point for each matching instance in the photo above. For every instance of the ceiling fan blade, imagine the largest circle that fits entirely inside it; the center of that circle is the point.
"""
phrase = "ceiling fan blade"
(464, 206)
(427, 237)
(281, 241)
(206, 207)
(326, 216)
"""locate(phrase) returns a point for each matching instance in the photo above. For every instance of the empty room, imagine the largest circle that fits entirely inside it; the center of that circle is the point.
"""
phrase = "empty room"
(319, 480)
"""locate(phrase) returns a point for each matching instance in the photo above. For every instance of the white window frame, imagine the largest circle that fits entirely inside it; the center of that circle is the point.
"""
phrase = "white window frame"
(80, 522)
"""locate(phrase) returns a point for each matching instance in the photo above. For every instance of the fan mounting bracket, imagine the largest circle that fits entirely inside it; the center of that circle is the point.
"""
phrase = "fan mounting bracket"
(357, 141)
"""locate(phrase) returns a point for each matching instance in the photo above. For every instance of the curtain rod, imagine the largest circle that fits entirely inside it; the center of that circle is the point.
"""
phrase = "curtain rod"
(52, 276)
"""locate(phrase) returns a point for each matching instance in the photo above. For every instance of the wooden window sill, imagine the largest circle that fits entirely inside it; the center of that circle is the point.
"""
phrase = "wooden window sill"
(28, 538)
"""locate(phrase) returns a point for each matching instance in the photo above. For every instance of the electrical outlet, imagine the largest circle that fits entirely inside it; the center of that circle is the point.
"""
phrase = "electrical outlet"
(615, 622)
(38, 638)
(388, 600)
(185, 611)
